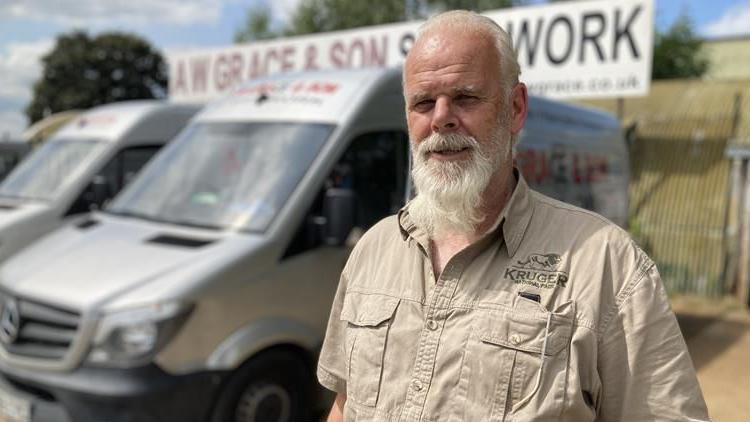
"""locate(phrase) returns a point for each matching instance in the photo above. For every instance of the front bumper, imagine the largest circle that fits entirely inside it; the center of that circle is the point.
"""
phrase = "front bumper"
(90, 394)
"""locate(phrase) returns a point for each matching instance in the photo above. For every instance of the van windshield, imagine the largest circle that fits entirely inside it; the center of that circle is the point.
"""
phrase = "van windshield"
(224, 175)
(44, 173)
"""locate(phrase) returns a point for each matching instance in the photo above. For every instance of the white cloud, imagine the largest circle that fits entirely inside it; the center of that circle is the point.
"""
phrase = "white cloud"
(282, 10)
(19, 69)
(12, 124)
(735, 21)
(98, 12)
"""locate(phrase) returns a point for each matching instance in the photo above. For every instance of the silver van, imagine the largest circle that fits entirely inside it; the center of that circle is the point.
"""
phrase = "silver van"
(201, 293)
(82, 166)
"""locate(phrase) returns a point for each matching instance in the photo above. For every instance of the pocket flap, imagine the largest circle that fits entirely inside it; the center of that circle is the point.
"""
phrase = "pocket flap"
(525, 332)
(368, 310)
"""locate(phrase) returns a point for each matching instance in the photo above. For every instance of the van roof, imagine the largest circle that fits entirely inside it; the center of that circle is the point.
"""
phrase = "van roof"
(328, 97)
(44, 128)
(561, 113)
(320, 96)
(111, 121)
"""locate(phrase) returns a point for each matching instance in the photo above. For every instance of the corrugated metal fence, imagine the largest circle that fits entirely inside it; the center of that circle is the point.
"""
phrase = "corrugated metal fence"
(678, 200)
(680, 210)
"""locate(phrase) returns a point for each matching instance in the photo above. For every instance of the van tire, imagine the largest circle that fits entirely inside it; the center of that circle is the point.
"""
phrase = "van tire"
(275, 386)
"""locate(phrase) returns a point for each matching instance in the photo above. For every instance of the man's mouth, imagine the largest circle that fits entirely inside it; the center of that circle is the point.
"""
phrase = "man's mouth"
(448, 154)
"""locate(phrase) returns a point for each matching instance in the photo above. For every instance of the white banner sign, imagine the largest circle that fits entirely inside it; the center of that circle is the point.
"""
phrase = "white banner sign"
(566, 50)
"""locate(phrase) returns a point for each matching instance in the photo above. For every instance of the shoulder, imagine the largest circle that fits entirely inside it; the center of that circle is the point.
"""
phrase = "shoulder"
(383, 232)
(562, 219)
(604, 262)
(384, 235)
(553, 208)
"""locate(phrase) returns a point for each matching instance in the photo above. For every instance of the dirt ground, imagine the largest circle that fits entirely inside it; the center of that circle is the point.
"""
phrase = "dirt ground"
(718, 336)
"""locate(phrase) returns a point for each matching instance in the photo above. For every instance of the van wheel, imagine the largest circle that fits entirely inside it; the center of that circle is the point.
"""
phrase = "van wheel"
(273, 387)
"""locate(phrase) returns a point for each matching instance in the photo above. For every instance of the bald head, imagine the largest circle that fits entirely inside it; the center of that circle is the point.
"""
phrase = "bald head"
(481, 29)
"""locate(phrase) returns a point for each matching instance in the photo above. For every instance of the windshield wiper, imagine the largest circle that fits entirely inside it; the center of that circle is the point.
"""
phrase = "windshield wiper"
(16, 196)
(194, 224)
(131, 214)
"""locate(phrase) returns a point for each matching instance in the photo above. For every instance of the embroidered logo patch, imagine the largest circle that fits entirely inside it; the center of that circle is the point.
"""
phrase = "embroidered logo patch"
(538, 270)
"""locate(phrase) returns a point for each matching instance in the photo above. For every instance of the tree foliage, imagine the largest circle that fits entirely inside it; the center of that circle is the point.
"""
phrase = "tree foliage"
(257, 26)
(82, 71)
(677, 53)
(475, 5)
(314, 16)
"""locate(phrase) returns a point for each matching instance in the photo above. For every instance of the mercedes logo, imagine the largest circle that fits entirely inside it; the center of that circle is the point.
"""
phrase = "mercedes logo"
(10, 321)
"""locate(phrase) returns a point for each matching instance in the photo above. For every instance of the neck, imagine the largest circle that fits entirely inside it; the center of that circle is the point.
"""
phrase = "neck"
(495, 198)
(444, 245)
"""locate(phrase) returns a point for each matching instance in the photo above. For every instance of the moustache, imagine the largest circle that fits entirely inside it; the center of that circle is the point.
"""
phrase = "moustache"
(438, 142)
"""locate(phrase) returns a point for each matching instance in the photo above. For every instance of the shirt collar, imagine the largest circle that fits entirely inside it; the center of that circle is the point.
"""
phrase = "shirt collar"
(513, 220)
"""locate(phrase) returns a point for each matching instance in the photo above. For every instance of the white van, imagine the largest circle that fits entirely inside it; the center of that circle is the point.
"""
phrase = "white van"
(82, 166)
(11, 153)
(202, 291)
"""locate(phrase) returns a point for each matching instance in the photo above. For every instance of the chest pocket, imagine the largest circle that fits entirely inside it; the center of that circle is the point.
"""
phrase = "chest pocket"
(509, 367)
(368, 318)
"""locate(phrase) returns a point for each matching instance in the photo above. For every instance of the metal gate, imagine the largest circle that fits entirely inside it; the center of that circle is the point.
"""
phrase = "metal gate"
(682, 210)
(679, 200)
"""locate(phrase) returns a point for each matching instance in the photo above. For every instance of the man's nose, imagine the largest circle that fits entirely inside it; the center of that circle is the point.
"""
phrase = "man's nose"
(443, 117)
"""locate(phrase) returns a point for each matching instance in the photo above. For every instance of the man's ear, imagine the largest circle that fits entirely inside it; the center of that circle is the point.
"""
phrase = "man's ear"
(520, 103)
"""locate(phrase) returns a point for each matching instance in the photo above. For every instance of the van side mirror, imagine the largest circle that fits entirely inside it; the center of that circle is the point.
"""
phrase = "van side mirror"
(339, 207)
(99, 192)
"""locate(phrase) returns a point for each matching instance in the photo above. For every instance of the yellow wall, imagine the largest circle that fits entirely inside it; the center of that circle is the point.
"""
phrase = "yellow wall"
(729, 58)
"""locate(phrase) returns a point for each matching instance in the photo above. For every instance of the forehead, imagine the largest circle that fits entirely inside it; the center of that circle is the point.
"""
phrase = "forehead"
(451, 60)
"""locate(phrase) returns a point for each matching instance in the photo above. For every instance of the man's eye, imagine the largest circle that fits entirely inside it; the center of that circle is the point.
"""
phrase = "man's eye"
(423, 105)
(466, 99)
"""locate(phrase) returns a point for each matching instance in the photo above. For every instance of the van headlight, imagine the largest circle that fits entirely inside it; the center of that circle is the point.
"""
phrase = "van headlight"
(132, 337)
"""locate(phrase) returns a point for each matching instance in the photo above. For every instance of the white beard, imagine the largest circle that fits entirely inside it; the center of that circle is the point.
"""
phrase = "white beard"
(450, 193)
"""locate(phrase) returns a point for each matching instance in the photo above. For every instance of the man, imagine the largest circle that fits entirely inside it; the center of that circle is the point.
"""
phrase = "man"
(485, 301)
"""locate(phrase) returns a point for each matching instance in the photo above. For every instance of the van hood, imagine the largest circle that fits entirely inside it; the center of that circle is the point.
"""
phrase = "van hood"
(12, 213)
(22, 223)
(83, 265)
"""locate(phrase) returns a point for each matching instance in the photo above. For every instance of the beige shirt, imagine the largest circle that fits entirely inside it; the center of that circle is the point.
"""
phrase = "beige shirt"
(554, 315)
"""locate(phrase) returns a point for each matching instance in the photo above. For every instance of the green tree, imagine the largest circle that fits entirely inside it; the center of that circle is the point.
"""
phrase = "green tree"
(677, 53)
(475, 5)
(257, 26)
(81, 72)
(314, 16)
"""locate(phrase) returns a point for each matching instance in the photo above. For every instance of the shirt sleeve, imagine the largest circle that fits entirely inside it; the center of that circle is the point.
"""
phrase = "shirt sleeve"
(332, 365)
(645, 369)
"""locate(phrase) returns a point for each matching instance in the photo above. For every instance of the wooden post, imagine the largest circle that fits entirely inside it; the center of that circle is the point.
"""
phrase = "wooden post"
(743, 281)
(732, 223)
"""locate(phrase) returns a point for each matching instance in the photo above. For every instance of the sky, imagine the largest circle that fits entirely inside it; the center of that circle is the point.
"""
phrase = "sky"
(28, 29)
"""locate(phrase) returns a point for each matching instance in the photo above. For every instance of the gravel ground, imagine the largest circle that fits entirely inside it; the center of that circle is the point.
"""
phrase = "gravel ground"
(718, 336)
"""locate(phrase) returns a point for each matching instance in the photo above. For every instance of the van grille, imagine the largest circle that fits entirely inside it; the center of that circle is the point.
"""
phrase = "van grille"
(34, 330)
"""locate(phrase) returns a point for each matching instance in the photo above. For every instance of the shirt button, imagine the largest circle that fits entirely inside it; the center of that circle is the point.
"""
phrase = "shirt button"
(432, 325)
(515, 339)
(417, 384)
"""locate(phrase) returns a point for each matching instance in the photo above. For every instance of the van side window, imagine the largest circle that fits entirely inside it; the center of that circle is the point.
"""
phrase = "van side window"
(115, 175)
(375, 169)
